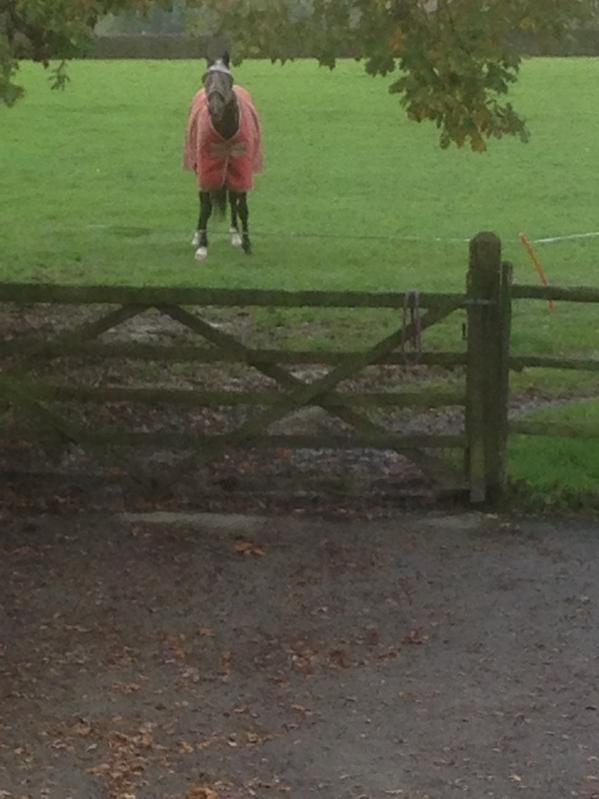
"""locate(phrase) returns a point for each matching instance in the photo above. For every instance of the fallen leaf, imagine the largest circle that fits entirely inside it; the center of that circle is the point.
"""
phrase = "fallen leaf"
(184, 746)
(59, 745)
(77, 628)
(372, 637)
(201, 792)
(249, 548)
(101, 768)
(82, 728)
(415, 637)
(125, 687)
(226, 666)
(339, 658)
(253, 737)
(300, 709)
(209, 742)
(173, 644)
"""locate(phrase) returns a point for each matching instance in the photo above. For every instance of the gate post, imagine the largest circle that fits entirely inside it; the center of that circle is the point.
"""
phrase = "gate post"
(487, 379)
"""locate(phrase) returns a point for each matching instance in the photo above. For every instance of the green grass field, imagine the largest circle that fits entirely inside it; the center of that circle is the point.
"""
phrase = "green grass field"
(354, 195)
(558, 473)
(94, 190)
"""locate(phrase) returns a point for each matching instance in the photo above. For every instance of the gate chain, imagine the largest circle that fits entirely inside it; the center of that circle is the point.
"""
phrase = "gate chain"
(411, 308)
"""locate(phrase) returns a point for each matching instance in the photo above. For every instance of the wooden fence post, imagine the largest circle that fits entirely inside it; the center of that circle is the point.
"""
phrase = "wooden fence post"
(487, 380)
(499, 397)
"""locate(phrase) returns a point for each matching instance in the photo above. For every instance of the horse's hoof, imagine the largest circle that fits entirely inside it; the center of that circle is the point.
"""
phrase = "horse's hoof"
(247, 248)
(196, 239)
(201, 254)
(236, 240)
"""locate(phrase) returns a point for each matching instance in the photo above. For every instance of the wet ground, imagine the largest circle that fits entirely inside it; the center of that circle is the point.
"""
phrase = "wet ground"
(420, 656)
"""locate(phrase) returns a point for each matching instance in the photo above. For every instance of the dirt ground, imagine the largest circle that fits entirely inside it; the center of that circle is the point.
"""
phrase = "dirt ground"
(220, 657)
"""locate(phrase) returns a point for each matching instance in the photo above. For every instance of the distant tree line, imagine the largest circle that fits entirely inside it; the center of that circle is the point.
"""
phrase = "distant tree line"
(162, 33)
(181, 19)
(156, 21)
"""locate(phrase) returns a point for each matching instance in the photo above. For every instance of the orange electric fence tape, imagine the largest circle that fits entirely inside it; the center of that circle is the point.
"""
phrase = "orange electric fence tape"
(536, 261)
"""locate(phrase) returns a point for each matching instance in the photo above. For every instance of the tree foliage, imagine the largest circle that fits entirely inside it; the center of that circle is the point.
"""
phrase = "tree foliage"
(451, 61)
(45, 30)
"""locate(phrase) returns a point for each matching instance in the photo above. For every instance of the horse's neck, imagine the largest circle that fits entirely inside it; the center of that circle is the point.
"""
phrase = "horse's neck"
(229, 125)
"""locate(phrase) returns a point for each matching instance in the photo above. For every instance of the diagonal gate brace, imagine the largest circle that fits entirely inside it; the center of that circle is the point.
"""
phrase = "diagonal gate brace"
(30, 349)
(307, 393)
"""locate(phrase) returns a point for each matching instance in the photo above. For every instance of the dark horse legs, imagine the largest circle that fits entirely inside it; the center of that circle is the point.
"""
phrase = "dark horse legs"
(233, 200)
(239, 209)
(239, 205)
(205, 213)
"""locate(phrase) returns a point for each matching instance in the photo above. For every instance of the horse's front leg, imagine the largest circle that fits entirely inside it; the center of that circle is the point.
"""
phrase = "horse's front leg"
(200, 240)
(244, 215)
(234, 229)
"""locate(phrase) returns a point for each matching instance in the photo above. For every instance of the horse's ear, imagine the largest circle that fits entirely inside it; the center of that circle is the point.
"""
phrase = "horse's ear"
(226, 59)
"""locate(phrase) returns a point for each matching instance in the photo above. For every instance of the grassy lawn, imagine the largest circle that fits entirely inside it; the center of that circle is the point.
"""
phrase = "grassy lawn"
(94, 191)
(354, 197)
(558, 472)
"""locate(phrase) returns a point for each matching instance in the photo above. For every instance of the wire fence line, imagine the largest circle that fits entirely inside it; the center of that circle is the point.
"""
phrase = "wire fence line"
(132, 230)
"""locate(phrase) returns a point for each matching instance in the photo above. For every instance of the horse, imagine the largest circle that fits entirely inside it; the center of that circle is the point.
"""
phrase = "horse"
(223, 146)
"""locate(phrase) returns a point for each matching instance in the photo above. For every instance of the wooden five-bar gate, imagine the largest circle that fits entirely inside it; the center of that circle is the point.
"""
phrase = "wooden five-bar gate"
(486, 362)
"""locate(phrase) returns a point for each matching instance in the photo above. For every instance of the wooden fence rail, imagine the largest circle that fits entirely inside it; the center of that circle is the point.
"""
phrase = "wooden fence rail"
(487, 362)
(189, 354)
(575, 294)
(154, 296)
(554, 429)
(518, 363)
(216, 399)
(40, 397)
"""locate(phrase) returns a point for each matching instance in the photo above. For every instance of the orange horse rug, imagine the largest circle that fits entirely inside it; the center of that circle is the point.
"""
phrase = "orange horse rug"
(218, 162)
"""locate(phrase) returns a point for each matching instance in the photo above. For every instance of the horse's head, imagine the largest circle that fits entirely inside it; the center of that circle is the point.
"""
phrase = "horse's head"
(218, 83)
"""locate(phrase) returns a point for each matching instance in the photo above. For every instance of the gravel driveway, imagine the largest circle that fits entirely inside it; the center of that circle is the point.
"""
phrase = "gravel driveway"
(219, 657)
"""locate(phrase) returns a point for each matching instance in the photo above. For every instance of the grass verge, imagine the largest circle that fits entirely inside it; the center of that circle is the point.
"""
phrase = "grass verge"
(557, 473)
